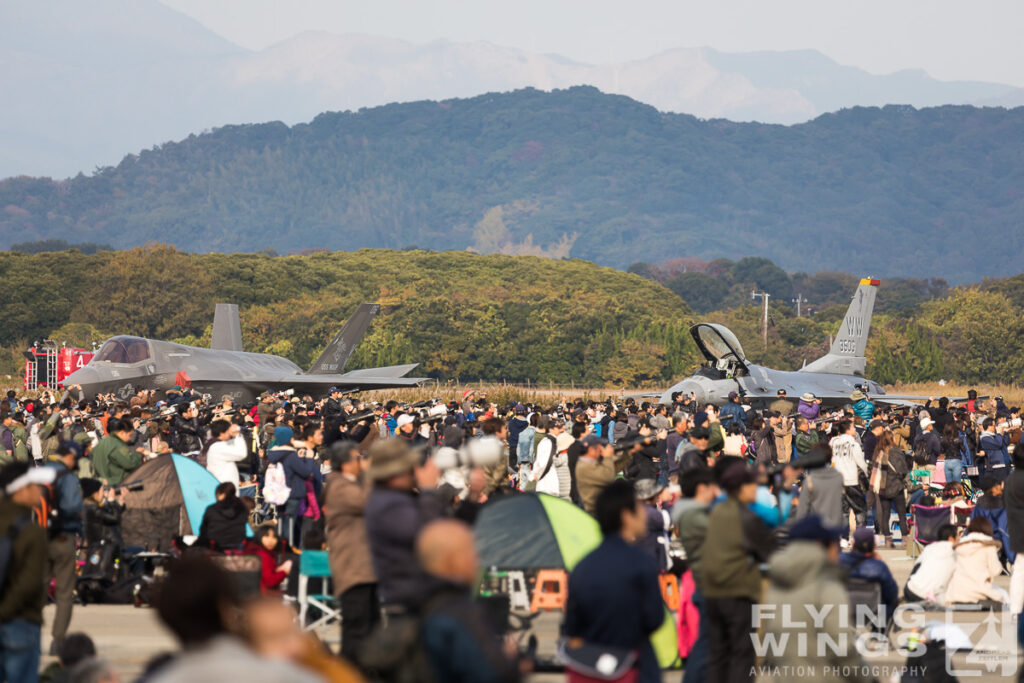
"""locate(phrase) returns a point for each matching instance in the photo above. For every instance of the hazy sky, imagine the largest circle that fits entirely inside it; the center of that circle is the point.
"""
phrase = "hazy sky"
(950, 39)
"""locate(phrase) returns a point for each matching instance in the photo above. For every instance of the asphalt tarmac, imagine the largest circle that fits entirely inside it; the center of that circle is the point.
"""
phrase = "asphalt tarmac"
(129, 636)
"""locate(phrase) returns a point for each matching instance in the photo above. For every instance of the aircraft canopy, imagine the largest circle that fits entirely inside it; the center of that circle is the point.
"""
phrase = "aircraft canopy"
(123, 350)
(717, 342)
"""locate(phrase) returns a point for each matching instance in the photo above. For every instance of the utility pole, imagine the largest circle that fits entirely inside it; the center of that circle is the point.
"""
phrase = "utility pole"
(763, 296)
(799, 300)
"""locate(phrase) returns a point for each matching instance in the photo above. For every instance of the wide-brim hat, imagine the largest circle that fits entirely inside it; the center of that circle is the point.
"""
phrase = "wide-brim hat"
(389, 458)
(647, 488)
(857, 396)
(808, 397)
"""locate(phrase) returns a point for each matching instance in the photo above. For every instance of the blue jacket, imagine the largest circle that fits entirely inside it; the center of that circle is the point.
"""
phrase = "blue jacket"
(994, 446)
(515, 427)
(872, 569)
(733, 413)
(69, 501)
(525, 449)
(864, 409)
(296, 471)
(614, 600)
(992, 509)
(393, 520)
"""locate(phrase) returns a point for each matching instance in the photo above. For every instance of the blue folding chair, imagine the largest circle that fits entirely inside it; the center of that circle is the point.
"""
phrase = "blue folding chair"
(313, 564)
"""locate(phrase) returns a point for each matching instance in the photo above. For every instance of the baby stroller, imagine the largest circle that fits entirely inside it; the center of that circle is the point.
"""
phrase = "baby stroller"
(115, 575)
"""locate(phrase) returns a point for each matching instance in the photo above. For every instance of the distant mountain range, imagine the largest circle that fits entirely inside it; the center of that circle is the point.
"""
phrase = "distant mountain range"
(889, 191)
(86, 82)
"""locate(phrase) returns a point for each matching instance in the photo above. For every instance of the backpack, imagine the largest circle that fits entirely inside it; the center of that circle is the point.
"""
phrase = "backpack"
(48, 510)
(921, 454)
(275, 485)
(7, 546)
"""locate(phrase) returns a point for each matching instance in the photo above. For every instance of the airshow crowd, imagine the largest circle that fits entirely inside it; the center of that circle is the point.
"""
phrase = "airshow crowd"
(734, 506)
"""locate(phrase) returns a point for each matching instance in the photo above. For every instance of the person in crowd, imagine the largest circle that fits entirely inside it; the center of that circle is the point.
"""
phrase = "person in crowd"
(75, 648)
(692, 454)
(848, 460)
(275, 560)
(862, 563)
(977, 565)
(863, 408)
(354, 581)
(516, 426)
(614, 600)
(64, 528)
(809, 406)
(690, 515)
(892, 463)
(298, 469)
(869, 441)
(737, 542)
(402, 501)
(23, 595)
(933, 569)
(762, 441)
(460, 643)
(597, 467)
(781, 405)
(111, 457)
(990, 506)
(993, 444)
(805, 437)
(225, 452)
(655, 541)
(186, 432)
(782, 431)
(799, 608)
(224, 522)
(952, 448)
(197, 602)
(526, 450)
(732, 412)
(1013, 499)
(927, 446)
(271, 630)
(545, 474)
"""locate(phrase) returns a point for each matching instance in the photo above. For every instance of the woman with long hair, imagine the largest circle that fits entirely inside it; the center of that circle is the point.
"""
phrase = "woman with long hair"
(951, 451)
(888, 480)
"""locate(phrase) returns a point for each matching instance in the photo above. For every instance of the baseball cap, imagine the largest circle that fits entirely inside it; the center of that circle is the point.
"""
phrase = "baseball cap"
(925, 421)
(403, 420)
(732, 395)
(333, 390)
(593, 440)
(17, 476)
(864, 538)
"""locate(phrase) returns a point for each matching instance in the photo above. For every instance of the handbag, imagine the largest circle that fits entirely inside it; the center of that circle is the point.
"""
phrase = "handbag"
(591, 663)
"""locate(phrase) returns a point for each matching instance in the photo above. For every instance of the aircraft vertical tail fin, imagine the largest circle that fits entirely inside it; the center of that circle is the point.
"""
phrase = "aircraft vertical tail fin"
(847, 355)
(227, 330)
(335, 356)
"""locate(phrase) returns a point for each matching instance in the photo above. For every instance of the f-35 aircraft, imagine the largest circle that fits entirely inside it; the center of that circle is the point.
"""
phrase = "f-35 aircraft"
(124, 365)
(832, 378)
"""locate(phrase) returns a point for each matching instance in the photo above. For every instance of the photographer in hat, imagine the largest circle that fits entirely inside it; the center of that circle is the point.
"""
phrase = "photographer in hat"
(402, 501)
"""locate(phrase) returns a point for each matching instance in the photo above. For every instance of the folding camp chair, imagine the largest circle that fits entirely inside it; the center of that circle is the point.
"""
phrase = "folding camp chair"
(313, 564)
(926, 520)
(866, 608)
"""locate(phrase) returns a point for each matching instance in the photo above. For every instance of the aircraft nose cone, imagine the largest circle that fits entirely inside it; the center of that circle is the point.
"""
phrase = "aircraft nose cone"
(84, 376)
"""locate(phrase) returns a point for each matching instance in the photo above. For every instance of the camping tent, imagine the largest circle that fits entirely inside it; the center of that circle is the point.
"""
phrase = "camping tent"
(176, 491)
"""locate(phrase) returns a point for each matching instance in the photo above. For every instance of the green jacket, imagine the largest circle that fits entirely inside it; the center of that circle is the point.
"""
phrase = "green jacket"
(691, 518)
(23, 595)
(21, 453)
(737, 542)
(49, 435)
(113, 460)
(805, 441)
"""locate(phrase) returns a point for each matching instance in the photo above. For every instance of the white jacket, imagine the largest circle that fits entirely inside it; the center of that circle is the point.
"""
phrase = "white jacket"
(932, 572)
(847, 458)
(549, 484)
(977, 565)
(222, 456)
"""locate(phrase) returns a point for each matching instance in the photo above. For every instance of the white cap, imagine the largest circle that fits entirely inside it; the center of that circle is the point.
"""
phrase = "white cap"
(43, 476)
(925, 421)
(404, 419)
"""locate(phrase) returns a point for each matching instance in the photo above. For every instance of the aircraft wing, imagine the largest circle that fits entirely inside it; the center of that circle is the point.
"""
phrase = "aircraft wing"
(389, 371)
(311, 383)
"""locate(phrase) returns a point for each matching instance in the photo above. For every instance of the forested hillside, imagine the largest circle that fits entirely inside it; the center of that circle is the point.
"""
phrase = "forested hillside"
(458, 314)
(891, 191)
(523, 318)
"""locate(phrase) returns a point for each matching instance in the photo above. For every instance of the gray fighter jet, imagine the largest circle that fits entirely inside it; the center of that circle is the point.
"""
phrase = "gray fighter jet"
(832, 378)
(124, 365)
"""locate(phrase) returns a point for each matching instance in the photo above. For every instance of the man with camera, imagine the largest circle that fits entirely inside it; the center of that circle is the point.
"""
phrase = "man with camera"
(185, 431)
(597, 467)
